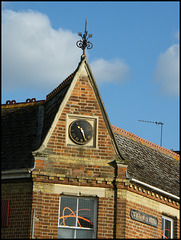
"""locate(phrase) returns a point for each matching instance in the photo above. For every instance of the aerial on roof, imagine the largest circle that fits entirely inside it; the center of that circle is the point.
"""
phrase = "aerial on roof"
(24, 127)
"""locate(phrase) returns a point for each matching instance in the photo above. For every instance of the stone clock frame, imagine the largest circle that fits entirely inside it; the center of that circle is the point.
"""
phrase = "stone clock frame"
(94, 123)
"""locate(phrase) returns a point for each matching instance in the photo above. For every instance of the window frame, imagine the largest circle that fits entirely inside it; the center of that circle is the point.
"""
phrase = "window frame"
(163, 226)
(75, 228)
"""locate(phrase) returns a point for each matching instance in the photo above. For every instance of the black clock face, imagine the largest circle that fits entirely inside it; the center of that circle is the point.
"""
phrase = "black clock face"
(80, 131)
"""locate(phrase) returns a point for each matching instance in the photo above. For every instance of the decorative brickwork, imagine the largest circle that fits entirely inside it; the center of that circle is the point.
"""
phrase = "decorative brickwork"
(154, 195)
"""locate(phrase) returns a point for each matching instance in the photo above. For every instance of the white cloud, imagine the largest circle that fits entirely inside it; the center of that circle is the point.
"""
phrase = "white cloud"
(37, 56)
(167, 71)
(34, 54)
(110, 71)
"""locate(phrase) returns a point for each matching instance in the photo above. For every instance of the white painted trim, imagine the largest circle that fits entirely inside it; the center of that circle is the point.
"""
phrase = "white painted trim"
(56, 188)
(21, 170)
(171, 220)
(15, 175)
(154, 188)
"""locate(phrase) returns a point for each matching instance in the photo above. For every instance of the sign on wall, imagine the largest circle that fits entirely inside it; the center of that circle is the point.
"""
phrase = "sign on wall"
(143, 217)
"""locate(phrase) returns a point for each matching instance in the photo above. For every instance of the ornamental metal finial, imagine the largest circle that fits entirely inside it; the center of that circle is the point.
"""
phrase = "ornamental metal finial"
(84, 43)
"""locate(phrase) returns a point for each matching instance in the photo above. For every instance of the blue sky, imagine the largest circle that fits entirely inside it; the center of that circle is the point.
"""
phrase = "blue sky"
(134, 59)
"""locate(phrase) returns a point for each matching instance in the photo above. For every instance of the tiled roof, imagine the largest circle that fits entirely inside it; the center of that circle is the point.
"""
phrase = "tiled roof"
(146, 142)
(18, 135)
(25, 125)
(149, 162)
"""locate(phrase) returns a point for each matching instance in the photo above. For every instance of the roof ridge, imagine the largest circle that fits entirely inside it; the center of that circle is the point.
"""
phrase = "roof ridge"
(146, 142)
(21, 104)
(60, 86)
(64, 83)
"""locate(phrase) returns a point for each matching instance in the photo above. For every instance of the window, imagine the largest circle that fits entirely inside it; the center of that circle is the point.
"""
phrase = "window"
(4, 212)
(167, 227)
(77, 217)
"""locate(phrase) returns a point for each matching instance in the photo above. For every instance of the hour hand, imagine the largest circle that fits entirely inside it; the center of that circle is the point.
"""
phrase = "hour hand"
(82, 131)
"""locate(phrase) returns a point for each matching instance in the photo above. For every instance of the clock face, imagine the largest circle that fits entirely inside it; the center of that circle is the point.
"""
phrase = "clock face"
(80, 131)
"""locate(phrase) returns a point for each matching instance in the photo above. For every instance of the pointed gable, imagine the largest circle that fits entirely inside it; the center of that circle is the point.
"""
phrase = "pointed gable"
(28, 127)
(81, 101)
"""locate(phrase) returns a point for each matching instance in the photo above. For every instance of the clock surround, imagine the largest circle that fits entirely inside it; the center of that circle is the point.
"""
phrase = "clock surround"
(81, 131)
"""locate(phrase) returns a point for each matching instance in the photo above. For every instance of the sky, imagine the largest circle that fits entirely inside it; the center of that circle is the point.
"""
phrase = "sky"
(134, 59)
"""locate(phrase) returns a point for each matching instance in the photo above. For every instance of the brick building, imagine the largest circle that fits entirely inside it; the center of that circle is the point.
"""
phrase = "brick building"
(68, 173)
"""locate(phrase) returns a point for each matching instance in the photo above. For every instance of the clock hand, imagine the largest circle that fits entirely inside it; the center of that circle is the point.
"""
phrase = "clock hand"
(82, 131)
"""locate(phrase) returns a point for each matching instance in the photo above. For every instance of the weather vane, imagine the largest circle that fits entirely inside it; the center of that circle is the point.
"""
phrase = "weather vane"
(83, 44)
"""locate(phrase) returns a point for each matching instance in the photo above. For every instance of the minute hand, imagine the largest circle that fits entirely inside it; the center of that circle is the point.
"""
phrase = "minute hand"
(82, 131)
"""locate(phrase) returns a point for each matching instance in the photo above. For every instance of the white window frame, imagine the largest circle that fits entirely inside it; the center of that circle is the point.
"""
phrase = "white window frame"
(94, 229)
(163, 226)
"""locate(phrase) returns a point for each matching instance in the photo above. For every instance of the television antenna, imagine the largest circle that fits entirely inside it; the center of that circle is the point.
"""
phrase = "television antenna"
(159, 123)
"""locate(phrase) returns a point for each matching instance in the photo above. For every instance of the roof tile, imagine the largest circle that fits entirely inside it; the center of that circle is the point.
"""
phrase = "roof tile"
(145, 142)
(148, 162)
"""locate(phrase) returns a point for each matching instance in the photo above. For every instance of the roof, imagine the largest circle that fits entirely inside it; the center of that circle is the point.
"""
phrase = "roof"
(24, 127)
(148, 162)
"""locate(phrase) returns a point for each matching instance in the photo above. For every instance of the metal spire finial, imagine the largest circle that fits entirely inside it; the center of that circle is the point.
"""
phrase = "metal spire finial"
(83, 44)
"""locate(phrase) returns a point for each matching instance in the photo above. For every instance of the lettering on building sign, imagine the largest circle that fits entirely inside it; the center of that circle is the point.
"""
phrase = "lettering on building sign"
(143, 217)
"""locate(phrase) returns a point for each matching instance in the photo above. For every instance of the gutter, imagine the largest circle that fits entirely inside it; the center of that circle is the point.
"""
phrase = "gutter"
(155, 188)
(17, 173)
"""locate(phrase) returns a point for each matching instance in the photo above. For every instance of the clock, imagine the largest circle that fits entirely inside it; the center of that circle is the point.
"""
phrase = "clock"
(80, 131)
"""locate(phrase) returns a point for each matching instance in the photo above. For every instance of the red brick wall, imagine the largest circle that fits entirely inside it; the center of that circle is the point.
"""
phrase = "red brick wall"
(121, 218)
(143, 230)
(176, 230)
(46, 208)
(20, 196)
(72, 171)
(82, 102)
(105, 218)
(130, 228)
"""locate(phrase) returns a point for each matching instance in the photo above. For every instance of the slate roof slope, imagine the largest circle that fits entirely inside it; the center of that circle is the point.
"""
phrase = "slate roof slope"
(149, 164)
(25, 125)
(53, 102)
(18, 135)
